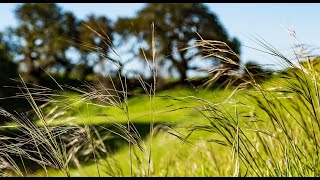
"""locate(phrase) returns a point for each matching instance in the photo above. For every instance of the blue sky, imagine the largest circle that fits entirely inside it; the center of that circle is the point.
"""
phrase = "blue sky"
(240, 20)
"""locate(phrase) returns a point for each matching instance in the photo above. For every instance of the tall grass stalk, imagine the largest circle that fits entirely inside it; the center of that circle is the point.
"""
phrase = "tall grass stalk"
(152, 96)
(122, 95)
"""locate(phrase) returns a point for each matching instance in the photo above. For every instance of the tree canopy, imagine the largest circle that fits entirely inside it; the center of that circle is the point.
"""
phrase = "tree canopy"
(176, 27)
(95, 38)
(41, 32)
(45, 35)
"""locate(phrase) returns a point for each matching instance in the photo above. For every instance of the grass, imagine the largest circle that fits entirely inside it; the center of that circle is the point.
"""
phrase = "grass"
(268, 129)
(198, 157)
(167, 111)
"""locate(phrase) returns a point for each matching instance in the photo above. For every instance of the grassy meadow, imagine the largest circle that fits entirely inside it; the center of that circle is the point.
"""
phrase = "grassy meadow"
(268, 128)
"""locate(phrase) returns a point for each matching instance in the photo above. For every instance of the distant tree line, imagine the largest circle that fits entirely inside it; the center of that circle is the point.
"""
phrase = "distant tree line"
(48, 39)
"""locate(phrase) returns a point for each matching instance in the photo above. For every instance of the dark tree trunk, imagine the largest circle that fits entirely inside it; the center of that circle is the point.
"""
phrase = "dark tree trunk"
(183, 76)
(182, 68)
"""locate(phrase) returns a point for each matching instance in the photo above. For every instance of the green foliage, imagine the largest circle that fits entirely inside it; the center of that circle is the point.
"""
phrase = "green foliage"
(177, 26)
(45, 34)
(42, 32)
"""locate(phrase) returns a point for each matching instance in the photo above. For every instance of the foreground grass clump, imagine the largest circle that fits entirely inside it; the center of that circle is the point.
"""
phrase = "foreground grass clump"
(254, 129)
(271, 131)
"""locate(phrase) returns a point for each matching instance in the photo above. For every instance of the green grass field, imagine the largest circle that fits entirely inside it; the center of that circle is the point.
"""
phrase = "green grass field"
(166, 147)
(170, 155)
(266, 129)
